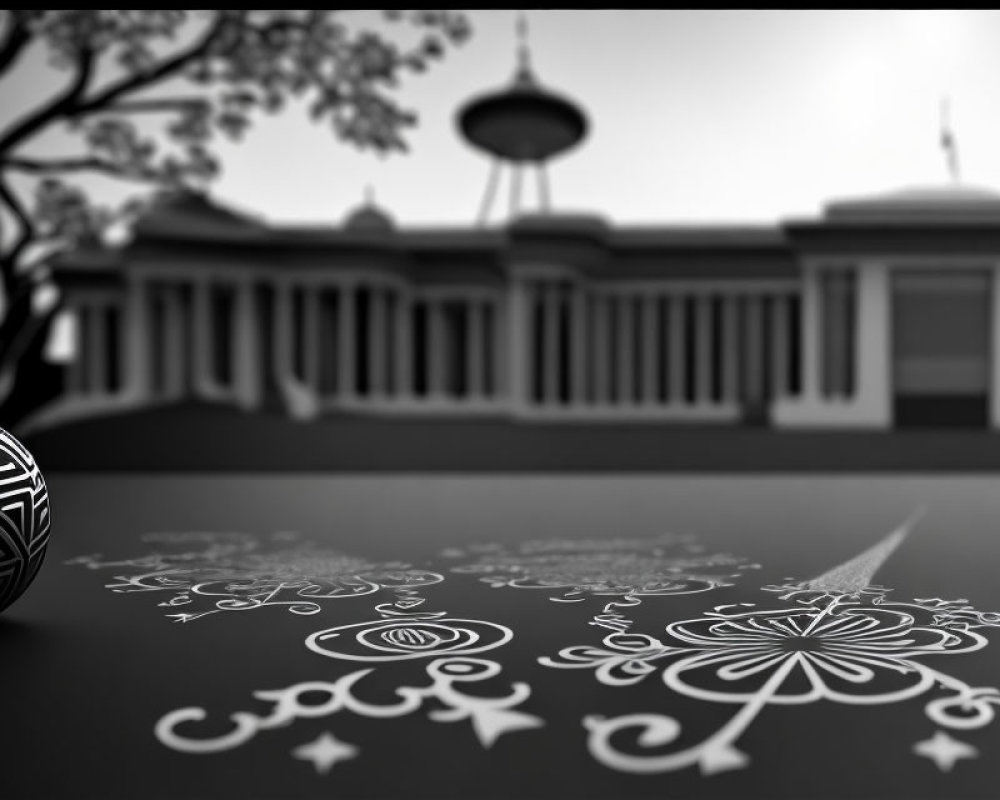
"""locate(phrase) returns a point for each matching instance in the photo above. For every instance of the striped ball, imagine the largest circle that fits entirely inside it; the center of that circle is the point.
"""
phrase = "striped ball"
(24, 519)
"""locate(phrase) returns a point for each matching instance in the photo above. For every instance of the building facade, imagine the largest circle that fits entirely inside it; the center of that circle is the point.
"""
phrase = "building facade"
(879, 313)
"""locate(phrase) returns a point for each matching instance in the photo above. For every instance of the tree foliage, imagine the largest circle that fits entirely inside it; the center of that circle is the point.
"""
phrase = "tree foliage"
(145, 94)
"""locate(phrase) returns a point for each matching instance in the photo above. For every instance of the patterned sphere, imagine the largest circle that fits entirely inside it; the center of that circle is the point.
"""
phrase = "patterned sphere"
(24, 519)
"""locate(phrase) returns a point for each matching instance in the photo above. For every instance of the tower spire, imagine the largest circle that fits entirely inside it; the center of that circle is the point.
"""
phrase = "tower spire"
(523, 50)
(521, 125)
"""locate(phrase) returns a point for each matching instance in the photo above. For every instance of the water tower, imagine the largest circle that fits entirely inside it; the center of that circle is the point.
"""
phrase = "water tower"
(521, 126)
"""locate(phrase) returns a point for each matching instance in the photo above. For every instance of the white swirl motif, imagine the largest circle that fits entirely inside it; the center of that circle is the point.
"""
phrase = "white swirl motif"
(490, 717)
(408, 637)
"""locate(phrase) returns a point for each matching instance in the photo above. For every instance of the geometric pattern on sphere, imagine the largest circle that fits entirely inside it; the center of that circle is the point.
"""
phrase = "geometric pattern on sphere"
(24, 519)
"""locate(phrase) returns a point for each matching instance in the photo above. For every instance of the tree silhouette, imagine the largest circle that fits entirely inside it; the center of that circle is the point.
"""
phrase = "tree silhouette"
(143, 95)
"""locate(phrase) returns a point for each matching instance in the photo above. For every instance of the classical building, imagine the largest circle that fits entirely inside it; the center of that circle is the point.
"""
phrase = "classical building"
(880, 312)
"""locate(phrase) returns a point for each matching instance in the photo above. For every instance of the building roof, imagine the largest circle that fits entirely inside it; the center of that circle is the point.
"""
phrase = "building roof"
(924, 204)
(191, 214)
(89, 254)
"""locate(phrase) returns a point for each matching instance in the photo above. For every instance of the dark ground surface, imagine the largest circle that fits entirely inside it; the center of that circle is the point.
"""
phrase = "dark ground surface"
(212, 438)
(88, 671)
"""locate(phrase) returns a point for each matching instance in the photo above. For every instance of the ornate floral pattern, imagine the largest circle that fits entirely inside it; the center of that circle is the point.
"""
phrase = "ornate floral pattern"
(851, 649)
(631, 568)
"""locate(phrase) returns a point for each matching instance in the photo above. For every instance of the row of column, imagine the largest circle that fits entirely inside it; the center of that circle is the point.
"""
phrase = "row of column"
(374, 342)
(180, 341)
(662, 348)
(838, 317)
(555, 343)
(96, 369)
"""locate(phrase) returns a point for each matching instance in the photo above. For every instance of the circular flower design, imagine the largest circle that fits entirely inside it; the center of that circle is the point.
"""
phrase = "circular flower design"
(858, 655)
(416, 636)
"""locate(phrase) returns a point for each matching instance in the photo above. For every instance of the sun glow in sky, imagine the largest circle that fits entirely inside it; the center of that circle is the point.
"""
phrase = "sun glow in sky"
(697, 116)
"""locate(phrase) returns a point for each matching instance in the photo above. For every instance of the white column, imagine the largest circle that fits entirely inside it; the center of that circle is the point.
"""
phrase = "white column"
(76, 379)
(436, 356)
(403, 345)
(137, 378)
(873, 345)
(578, 347)
(703, 349)
(519, 357)
(779, 346)
(649, 349)
(475, 321)
(626, 351)
(345, 343)
(730, 348)
(677, 348)
(246, 355)
(550, 344)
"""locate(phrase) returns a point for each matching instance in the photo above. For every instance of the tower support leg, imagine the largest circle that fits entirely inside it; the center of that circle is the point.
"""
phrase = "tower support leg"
(490, 193)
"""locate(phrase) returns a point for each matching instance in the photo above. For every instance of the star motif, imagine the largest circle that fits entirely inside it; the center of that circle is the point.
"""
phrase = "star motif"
(721, 758)
(944, 751)
(325, 751)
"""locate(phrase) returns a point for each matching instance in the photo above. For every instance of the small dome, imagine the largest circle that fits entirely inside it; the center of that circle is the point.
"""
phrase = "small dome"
(369, 217)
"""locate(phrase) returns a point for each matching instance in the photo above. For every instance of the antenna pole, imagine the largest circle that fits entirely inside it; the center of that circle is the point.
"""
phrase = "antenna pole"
(948, 142)
(523, 53)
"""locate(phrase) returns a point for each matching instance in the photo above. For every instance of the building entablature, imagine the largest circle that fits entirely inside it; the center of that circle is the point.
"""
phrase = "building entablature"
(917, 222)
(888, 239)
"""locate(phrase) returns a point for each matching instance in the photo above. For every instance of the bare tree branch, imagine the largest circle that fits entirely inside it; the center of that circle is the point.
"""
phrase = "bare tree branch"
(126, 86)
(8, 261)
(158, 104)
(55, 108)
(17, 38)
(90, 163)
(43, 167)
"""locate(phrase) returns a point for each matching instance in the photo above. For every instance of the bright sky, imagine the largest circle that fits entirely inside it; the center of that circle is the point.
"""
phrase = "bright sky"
(697, 116)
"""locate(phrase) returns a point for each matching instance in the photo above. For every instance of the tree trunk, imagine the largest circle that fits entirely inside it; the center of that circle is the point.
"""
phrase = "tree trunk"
(27, 380)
